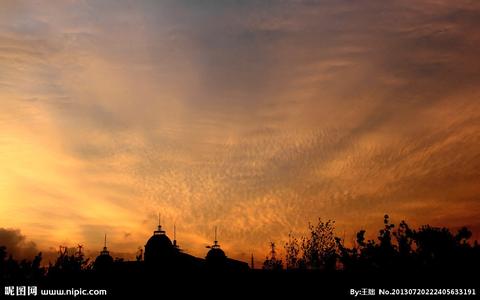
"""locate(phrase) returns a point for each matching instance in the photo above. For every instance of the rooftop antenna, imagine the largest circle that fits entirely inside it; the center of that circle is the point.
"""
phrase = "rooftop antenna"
(252, 265)
(215, 242)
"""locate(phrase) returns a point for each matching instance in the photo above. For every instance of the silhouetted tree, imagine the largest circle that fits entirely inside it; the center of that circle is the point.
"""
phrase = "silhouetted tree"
(11, 269)
(66, 264)
(404, 249)
(439, 248)
(292, 251)
(319, 248)
(139, 256)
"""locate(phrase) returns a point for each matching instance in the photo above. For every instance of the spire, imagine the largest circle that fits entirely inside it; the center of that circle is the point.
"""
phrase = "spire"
(159, 222)
(159, 229)
(252, 265)
(105, 250)
(215, 242)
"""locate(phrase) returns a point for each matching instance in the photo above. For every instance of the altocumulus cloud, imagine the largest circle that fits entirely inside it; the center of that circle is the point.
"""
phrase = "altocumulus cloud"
(253, 116)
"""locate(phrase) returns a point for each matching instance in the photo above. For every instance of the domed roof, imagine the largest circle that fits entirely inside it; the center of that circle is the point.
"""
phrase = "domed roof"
(159, 247)
(103, 260)
(216, 254)
(159, 242)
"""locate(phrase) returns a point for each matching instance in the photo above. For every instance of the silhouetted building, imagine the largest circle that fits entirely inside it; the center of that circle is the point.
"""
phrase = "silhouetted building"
(104, 261)
(216, 260)
(162, 256)
(159, 250)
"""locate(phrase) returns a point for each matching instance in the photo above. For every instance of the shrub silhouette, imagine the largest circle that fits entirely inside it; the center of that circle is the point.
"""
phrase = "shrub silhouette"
(316, 251)
(318, 248)
(11, 269)
(69, 264)
(428, 248)
(292, 251)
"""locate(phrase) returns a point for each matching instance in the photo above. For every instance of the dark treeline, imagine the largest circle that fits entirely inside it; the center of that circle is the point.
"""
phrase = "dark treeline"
(66, 264)
(397, 248)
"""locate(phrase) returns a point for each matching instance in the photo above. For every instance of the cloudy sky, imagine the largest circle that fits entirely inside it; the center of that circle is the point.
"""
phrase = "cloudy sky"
(253, 116)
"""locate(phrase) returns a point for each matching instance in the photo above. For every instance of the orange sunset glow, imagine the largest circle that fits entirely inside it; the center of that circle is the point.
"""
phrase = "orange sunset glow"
(253, 116)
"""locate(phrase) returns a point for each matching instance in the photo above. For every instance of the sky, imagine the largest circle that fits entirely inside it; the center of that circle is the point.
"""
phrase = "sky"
(253, 116)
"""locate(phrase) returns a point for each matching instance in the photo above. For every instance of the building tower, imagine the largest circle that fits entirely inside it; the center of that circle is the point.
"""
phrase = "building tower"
(104, 261)
(159, 249)
(216, 258)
